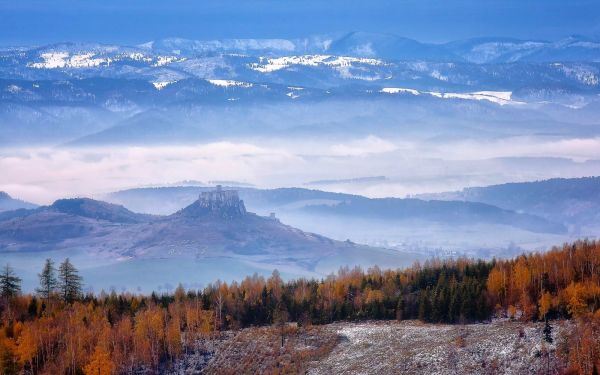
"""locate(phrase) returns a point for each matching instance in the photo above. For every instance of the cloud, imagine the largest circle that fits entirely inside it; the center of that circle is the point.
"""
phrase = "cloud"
(42, 175)
(365, 146)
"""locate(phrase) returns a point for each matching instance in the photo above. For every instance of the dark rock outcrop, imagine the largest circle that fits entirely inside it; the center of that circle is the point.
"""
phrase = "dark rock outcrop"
(222, 204)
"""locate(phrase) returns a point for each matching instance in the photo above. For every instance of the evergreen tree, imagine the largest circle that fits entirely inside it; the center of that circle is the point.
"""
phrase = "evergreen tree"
(48, 281)
(69, 281)
(10, 284)
(400, 315)
(33, 307)
(548, 332)
(424, 305)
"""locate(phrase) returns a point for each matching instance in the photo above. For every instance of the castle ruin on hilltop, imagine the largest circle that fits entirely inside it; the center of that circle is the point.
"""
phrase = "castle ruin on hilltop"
(224, 203)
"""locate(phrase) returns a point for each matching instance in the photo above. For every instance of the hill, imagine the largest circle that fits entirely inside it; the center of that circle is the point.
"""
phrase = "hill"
(572, 201)
(7, 203)
(432, 228)
(214, 237)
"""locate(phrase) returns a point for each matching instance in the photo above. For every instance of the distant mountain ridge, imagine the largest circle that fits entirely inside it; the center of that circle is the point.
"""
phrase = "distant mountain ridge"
(86, 207)
(7, 203)
(215, 225)
(568, 200)
(323, 204)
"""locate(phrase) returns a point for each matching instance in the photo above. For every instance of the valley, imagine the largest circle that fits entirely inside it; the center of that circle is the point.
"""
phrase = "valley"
(299, 187)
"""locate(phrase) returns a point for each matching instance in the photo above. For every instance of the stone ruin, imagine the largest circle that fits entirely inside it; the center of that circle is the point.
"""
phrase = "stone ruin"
(223, 203)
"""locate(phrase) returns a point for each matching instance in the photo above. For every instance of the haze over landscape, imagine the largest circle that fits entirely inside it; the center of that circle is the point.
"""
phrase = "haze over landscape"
(195, 144)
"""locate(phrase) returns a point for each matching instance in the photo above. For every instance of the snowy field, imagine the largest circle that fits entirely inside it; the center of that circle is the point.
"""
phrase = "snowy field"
(411, 347)
(379, 347)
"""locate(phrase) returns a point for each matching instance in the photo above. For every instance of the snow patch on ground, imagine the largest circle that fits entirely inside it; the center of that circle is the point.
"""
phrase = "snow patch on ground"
(399, 90)
(229, 83)
(584, 74)
(166, 60)
(162, 84)
(498, 97)
(268, 65)
(93, 59)
(411, 347)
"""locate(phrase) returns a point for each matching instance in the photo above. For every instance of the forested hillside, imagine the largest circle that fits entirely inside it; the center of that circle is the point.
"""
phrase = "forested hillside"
(58, 332)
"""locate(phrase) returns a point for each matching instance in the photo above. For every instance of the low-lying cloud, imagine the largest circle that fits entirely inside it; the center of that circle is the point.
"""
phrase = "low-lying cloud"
(44, 174)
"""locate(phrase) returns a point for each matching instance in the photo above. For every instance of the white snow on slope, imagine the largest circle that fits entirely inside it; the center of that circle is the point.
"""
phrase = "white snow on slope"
(397, 90)
(162, 84)
(229, 83)
(165, 60)
(268, 65)
(54, 60)
(60, 59)
(584, 74)
(498, 97)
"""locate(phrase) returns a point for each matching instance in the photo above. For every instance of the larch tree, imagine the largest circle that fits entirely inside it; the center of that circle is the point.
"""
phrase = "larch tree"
(10, 283)
(100, 363)
(48, 280)
(69, 281)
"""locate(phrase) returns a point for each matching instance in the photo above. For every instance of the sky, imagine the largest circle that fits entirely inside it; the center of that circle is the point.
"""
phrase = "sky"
(42, 175)
(33, 22)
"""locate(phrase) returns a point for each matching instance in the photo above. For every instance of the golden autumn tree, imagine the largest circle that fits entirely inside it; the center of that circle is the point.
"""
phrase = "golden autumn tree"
(149, 335)
(575, 300)
(496, 285)
(27, 345)
(545, 304)
(173, 337)
(100, 363)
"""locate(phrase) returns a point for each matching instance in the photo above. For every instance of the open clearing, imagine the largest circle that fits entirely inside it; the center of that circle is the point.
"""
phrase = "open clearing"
(380, 347)
(411, 347)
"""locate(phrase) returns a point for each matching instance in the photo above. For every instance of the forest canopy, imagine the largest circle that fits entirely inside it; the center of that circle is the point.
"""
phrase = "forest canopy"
(60, 330)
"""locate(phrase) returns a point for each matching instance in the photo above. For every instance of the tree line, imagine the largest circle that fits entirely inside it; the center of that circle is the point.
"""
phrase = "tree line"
(60, 330)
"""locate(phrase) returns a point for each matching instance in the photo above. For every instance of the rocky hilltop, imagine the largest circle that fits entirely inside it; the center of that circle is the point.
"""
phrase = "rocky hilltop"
(223, 204)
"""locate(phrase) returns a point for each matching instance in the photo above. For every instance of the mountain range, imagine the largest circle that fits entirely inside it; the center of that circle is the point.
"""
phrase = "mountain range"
(323, 204)
(174, 90)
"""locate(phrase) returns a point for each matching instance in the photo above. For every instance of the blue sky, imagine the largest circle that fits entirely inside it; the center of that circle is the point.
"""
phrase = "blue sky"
(135, 21)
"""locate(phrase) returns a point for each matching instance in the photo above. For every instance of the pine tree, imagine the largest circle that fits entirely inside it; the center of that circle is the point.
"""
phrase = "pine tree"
(69, 281)
(48, 281)
(548, 332)
(400, 308)
(10, 284)
(424, 305)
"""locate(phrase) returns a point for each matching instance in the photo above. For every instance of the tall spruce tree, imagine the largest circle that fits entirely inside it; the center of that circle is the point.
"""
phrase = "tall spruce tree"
(10, 284)
(48, 280)
(69, 281)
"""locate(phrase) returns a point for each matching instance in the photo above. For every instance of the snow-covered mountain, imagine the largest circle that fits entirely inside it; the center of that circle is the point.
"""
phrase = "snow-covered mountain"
(70, 92)
(324, 62)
